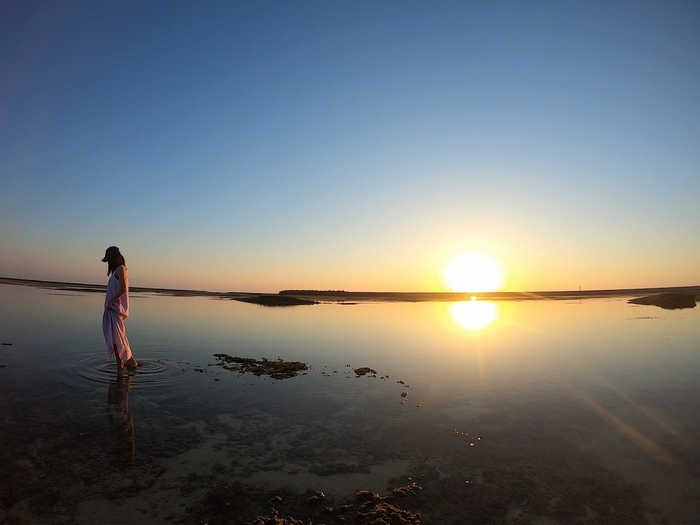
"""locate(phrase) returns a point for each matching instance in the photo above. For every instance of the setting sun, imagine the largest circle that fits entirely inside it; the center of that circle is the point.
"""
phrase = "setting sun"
(474, 271)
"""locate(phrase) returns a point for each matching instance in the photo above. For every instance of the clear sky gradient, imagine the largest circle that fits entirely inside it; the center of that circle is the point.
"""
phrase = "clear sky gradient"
(258, 146)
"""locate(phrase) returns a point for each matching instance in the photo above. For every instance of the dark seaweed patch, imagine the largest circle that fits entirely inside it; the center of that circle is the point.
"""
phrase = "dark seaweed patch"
(275, 368)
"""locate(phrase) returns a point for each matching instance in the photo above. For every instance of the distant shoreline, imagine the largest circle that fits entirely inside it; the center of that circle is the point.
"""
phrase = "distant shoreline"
(342, 296)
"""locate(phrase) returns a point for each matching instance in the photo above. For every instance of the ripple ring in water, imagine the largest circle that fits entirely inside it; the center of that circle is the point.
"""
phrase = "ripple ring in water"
(150, 372)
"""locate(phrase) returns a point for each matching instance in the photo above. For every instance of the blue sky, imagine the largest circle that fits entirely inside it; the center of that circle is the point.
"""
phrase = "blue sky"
(350, 145)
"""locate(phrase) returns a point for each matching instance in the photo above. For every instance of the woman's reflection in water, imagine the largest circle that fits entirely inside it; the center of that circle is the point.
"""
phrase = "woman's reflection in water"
(121, 421)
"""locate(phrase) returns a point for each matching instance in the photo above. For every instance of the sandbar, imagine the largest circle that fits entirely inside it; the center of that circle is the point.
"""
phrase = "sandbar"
(303, 297)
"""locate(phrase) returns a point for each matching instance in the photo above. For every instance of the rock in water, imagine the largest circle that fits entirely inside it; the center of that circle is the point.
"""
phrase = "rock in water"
(275, 300)
(275, 368)
(668, 300)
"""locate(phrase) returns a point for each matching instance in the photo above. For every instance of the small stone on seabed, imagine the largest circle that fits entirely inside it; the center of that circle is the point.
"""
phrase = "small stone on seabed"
(317, 496)
(367, 495)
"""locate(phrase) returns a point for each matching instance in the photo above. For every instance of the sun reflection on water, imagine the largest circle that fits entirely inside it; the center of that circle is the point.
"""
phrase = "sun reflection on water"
(474, 315)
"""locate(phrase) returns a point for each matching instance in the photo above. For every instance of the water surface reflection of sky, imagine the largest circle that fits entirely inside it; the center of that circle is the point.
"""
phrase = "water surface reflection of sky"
(611, 384)
(524, 339)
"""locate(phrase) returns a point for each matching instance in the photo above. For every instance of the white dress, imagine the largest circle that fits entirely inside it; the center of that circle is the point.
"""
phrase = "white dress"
(114, 316)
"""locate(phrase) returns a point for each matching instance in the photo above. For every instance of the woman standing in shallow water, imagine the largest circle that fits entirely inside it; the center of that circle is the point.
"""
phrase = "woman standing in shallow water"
(117, 309)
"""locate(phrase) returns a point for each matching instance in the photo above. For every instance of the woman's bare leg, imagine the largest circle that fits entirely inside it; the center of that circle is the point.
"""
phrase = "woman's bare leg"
(131, 363)
(120, 363)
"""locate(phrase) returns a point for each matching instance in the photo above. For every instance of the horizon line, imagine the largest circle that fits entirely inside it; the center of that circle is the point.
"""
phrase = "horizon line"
(329, 294)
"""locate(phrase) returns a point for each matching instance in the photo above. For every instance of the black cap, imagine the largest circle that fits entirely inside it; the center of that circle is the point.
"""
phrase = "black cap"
(111, 251)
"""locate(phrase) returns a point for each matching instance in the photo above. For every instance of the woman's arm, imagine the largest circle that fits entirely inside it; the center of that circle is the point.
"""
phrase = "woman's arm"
(121, 279)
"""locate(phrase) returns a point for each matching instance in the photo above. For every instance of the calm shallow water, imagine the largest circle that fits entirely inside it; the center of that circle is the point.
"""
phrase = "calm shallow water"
(555, 412)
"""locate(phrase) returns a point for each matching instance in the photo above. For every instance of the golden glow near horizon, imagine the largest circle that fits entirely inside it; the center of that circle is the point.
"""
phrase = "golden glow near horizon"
(474, 315)
(473, 271)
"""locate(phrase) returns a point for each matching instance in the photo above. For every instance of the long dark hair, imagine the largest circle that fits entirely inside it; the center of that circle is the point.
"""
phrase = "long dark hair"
(114, 262)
